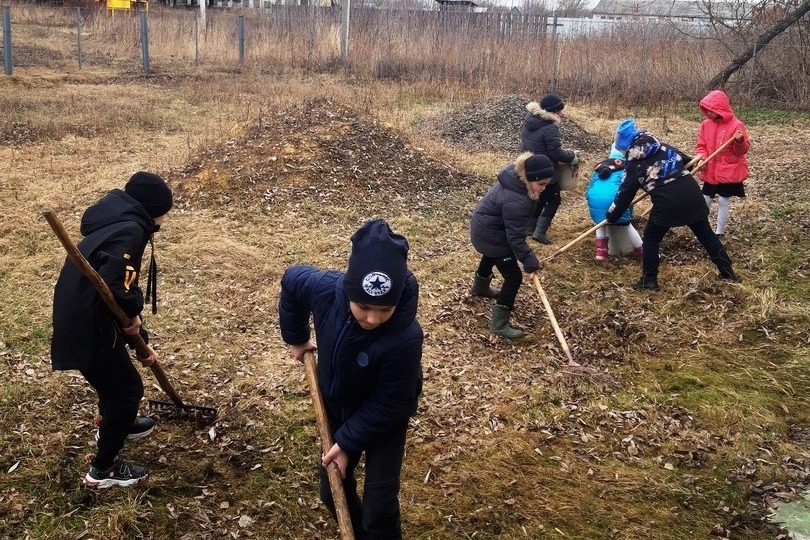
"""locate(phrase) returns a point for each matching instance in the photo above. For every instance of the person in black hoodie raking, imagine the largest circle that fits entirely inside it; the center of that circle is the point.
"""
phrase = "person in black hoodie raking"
(497, 231)
(86, 335)
(540, 135)
(658, 169)
(369, 366)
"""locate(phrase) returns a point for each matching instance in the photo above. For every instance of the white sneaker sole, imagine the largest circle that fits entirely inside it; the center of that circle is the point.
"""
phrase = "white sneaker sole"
(131, 436)
(109, 482)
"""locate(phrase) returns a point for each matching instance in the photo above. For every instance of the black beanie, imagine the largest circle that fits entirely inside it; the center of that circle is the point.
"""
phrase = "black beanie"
(552, 103)
(151, 191)
(539, 167)
(377, 266)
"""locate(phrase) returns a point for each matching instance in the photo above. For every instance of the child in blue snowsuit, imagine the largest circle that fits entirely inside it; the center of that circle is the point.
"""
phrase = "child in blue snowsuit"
(369, 367)
(621, 238)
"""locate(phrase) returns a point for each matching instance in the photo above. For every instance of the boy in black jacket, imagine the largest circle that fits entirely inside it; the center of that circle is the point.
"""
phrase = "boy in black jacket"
(86, 335)
(676, 199)
(369, 366)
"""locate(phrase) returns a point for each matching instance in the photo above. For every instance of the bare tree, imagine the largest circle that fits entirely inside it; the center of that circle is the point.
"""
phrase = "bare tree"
(737, 63)
(572, 8)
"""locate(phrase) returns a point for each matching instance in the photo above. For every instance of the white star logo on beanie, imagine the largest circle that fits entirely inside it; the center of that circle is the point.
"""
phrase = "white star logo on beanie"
(376, 283)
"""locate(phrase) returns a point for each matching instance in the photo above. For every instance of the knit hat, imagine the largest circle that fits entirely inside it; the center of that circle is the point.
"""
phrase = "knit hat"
(625, 134)
(552, 103)
(377, 266)
(539, 167)
(151, 191)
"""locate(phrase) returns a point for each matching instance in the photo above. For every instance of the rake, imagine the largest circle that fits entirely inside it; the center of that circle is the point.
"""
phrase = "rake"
(176, 406)
(602, 223)
(335, 482)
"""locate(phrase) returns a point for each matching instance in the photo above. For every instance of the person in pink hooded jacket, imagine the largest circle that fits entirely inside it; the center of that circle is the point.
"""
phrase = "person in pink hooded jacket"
(723, 176)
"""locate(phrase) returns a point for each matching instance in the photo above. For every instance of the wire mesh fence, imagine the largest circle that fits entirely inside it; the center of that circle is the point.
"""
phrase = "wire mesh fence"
(631, 61)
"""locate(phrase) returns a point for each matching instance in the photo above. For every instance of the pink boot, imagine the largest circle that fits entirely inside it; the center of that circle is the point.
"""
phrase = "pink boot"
(601, 249)
(639, 252)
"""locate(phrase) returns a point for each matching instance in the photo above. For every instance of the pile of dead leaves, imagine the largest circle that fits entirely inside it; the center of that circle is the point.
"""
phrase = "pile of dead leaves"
(320, 152)
(494, 125)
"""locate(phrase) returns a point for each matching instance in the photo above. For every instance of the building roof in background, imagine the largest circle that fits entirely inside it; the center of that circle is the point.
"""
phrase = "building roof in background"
(457, 2)
(697, 9)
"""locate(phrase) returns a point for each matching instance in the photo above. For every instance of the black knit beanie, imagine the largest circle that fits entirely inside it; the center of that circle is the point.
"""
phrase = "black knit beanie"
(552, 103)
(539, 167)
(377, 266)
(151, 191)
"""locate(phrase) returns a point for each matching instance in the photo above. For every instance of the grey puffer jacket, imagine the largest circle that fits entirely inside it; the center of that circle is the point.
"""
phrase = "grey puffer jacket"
(498, 224)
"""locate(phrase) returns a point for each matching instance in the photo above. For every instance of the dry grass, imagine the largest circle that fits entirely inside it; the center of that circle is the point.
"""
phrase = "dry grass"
(696, 430)
(634, 63)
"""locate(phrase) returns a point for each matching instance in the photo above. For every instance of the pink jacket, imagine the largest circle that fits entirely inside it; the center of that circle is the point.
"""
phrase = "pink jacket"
(731, 165)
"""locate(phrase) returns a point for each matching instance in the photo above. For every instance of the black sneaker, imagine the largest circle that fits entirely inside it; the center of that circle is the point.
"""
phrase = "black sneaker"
(142, 427)
(120, 474)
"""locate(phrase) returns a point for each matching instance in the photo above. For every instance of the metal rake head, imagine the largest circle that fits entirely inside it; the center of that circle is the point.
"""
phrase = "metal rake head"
(168, 409)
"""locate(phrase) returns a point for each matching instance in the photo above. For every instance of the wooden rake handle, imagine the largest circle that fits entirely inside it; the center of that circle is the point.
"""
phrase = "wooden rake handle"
(557, 331)
(713, 155)
(602, 223)
(589, 232)
(106, 294)
(335, 481)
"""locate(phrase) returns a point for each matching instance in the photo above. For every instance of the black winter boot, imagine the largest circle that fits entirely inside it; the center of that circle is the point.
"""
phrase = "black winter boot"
(543, 223)
(500, 323)
(481, 287)
(648, 283)
(727, 274)
(531, 226)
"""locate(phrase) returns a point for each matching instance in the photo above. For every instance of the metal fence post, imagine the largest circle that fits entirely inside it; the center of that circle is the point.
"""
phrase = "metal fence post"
(240, 37)
(79, 34)
(7, 40)
(345, 8)
(145, 42)
(554, 52)
(197, 41)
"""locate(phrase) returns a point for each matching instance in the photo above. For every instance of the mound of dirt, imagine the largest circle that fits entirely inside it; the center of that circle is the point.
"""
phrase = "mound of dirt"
(494, 125)
(318, 151)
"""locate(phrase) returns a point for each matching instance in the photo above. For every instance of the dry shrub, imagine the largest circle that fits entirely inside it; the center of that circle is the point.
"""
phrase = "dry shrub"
(630, 63)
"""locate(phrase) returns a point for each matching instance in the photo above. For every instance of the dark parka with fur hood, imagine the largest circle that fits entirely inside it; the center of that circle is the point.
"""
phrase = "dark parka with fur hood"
(540, 134)
(498, 224)
(116, 230)
(370, 379)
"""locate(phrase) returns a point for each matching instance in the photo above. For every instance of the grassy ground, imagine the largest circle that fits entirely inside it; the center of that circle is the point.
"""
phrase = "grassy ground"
(704, 419)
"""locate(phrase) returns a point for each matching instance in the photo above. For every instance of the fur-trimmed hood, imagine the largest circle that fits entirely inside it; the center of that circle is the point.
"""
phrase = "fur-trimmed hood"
(535, 109)
(520, 170)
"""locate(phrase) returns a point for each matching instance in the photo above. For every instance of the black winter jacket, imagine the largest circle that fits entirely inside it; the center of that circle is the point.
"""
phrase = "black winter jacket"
(540, 135)
(659, 169)
(498, 224)
(116, 230)
(370, 379)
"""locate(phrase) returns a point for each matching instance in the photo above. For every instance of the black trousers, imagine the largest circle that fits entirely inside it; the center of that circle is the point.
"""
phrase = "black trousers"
(377, 516)
(120, 389)
(547, 203)
(653, 234)
(512, 277)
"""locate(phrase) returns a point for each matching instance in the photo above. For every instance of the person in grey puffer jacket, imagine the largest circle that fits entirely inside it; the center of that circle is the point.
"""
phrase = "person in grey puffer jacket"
(540, 135)
(497, 231)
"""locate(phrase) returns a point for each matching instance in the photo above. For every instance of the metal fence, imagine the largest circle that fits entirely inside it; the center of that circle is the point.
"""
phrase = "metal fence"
(517, 52)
